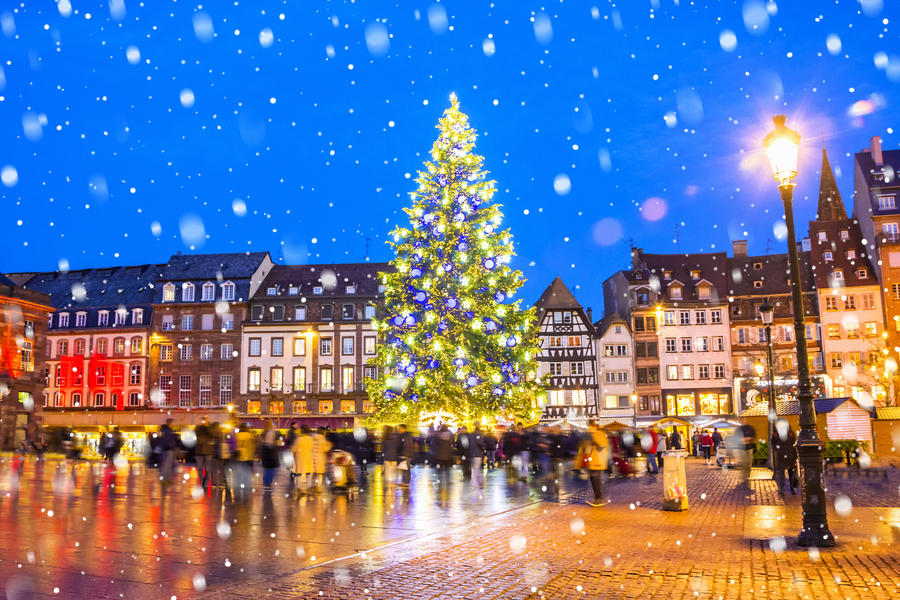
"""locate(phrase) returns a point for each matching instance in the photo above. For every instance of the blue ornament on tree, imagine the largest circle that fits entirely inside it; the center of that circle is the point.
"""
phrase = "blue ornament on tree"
(415, 272)
(462, 246)
(410, 320)
(471, 381)
(442, 180)
(433, 364)
(420, 297)
(489, 263)
(442, 327)
(397, 321)
(452, 303)
(499, 296)
(490, 325)
(498, 391)
(511, 341)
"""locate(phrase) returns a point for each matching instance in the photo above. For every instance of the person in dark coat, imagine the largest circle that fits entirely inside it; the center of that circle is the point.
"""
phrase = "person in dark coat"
(675, 440)
(168, 445)
(405, 454)
(490, 449)
(390, 451)
(464, 451)
(442, 446)
(476, 454)
(784, 457)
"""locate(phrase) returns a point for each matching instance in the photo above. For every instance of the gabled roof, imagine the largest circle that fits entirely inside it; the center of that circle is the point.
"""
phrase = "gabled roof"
(792, 407)
(332, 278)
(712, 267)
(556, 297)
(869, 168)
(773, 272)
(831, 206)
(103, 287)
(207, 266)
(603, 324)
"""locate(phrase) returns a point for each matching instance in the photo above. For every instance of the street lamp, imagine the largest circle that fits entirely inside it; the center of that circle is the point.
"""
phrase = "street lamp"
(782, 147)
(634, 400)
(767, 313)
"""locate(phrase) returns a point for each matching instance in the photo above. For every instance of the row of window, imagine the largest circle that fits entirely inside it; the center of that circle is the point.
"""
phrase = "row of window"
(685, 404)
(648, 322)
(564, 341)
(98, 399)
(615, 376)
(301, 407)
(276, 346)
(207, 292)
(697, 344)
(575, 369)
(185, 390)
(119, 345)
(318, 290)
(870, 329)
(613, 401)
(207, 322)
(120, 317)
(66, 377)
(567, 397)
(298, 383)
(615, 350)
(837, 360)
(186, 352)
(686, 372)
(326, 312)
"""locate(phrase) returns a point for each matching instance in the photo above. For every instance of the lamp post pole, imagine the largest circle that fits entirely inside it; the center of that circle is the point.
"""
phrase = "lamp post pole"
(767, 312)
(782, 146)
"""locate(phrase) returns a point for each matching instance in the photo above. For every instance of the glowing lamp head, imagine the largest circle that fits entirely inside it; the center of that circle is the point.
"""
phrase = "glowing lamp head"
(766, 313)
(759, 369)
(782, 147)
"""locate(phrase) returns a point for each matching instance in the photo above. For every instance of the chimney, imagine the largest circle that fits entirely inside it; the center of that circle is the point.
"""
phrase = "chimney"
(590, 319)
(740, 248)
(636, 258)
(877, 156)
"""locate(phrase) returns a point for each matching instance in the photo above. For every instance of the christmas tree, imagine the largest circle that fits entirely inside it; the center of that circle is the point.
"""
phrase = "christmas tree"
(453, 340)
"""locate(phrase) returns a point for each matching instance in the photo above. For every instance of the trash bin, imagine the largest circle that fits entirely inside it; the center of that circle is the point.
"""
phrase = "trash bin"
(674, 481)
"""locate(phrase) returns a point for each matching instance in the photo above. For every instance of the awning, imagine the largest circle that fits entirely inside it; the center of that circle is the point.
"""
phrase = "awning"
(672, 422)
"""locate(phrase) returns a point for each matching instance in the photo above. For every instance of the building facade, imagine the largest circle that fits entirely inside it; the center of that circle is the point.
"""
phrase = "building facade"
(567, 356)
(308, 344)
(24, 315)
(850, 305)
(199, 304)
(97, 343)
(753, 281)
(615, 356)
(875, 206)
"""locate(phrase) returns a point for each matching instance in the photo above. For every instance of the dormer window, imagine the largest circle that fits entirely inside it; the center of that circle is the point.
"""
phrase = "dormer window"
(103, 318)
(823, 237)
(169, 292)
(695, 275)
(667, 274)
(317, 290)
(828, 256)
(227, 291)
(703, 291)
(187, 292)
(887, 202)
(757, 284)
(272, 291)
(293, 290)
(675, 292)
(862, 273)
(851, 254)
(845, 235)
(838, 274)
(642, 297)
(757, 266)
(63, 319)
(380, 288)
(208, 293)
(351, 289)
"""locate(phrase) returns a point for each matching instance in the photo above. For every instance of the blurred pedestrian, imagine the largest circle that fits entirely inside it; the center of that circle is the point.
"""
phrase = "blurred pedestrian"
(405, 454)
(476, 456)
(203, 452)
(748, 435)
(390, 443)
(597, 453)
(168, 445)
(717, 440)
(320, 449)
(695, 443)
(442, 445)
(464, 451)
(268, 455)
(649, 443)
(490, 449)
(675, 439)
(706, 444)
(245, 441)
(784, 457)
(303, 460)
(661, 446)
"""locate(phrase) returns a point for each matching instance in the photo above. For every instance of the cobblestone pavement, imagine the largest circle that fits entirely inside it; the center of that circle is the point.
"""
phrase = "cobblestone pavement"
(80, 538)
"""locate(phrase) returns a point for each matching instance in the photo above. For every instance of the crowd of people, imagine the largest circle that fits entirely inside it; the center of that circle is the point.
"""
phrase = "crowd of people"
(311, 461)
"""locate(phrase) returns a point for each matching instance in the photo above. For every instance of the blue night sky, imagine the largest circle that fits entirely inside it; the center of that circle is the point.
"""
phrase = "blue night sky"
(293, 127)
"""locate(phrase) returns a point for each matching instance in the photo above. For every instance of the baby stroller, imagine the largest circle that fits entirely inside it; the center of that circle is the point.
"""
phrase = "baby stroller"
(343, 472)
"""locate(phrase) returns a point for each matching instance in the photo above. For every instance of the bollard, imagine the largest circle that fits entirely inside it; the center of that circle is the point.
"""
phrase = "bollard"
(675, 495)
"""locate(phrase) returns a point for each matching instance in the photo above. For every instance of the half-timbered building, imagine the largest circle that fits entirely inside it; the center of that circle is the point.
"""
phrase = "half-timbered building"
(567, 356)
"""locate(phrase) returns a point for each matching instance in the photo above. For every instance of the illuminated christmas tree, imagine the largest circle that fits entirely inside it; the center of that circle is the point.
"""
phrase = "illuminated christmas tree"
(453, 340)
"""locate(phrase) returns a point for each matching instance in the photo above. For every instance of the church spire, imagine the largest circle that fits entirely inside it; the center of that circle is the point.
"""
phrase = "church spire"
(831, 207)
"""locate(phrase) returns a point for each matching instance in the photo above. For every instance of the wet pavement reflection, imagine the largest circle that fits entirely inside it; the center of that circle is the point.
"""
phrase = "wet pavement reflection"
(90, 530)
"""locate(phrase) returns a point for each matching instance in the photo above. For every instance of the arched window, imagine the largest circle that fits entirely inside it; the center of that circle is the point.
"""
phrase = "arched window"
(101, 346)
(119, 346)
(137, 345)
(79, 347)
(169, 292)
(209, 292)
(99, 399)
(76, 399)
(187, 292)
(62, 348)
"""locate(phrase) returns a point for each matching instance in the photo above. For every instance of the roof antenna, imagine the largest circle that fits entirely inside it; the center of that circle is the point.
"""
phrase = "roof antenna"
(368, 239)
(676, 239)
(769, 243)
